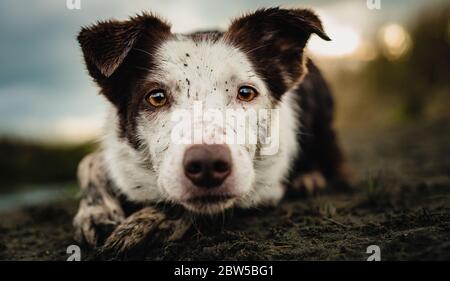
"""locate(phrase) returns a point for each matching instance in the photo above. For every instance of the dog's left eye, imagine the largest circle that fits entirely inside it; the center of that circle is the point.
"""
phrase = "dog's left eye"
(156, 98)
(247, 93)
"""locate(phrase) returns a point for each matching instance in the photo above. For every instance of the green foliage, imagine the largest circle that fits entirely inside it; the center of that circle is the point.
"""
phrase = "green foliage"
(31, 163)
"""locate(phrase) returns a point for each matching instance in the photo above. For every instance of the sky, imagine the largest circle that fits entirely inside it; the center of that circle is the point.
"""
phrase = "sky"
(46, 93)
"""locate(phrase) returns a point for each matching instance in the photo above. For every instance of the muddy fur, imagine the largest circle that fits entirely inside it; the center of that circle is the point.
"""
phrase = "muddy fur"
(143, 229)
(100, 210)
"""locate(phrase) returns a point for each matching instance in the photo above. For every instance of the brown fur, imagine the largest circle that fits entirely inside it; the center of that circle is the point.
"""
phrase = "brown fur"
(117, 56)
(274, 40)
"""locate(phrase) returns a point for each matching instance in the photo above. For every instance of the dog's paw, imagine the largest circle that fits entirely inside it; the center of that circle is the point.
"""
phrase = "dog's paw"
(310, 182)
(93, 224)
(142, 229)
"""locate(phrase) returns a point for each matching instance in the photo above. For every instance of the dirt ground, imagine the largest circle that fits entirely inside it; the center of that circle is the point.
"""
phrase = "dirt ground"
(400, 201)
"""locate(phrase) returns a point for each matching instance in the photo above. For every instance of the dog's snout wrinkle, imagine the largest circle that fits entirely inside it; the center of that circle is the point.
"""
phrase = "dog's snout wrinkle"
(207, 166)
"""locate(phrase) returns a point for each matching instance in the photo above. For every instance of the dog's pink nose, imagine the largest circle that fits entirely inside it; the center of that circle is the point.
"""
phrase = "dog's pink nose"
(207, 166)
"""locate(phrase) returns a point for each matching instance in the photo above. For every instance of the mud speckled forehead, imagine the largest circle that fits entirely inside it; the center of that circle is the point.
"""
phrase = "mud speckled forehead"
(204, 69)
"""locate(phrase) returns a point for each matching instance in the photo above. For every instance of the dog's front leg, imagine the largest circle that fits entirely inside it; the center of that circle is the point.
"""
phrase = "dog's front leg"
(99, 211)
(143, 228)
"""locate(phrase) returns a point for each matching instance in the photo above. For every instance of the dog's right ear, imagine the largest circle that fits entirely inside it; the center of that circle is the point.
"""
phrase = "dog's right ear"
(105, 45)
(274, 39)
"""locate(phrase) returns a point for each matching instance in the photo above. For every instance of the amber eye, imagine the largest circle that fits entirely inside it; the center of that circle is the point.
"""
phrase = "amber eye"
(247, 93)
(156, 98)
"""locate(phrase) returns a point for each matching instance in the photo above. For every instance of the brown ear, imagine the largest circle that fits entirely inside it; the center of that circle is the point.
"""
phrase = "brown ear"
(106, 44)
(274, 40)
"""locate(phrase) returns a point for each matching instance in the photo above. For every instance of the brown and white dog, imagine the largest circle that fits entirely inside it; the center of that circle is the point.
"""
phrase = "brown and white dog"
(148, 73)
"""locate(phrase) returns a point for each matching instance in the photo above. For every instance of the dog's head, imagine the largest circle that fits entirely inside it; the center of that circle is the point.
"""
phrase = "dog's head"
(155, 78)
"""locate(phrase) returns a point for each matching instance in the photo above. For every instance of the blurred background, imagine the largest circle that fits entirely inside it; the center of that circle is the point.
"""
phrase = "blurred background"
(389, 66)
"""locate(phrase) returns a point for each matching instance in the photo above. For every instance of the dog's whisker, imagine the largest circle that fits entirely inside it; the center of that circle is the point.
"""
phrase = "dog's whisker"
(143, 51)
(143, 68)
(256, 48)
(305, 134)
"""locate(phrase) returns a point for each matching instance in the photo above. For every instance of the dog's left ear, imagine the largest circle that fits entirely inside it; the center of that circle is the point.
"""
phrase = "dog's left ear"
(274, 40)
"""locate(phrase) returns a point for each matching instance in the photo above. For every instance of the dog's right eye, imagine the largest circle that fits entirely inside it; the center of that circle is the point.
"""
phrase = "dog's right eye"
(247, 93)
(156, 98)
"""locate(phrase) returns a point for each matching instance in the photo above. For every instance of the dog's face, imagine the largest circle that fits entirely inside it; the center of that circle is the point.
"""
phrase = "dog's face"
(157, 81)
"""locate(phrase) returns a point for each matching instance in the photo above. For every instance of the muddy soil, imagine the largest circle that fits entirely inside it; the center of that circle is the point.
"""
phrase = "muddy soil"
(400, 201)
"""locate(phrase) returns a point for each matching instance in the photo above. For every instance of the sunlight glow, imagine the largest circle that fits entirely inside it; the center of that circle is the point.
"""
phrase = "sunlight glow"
(448, 29)
(395, 40)
(345, 40)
